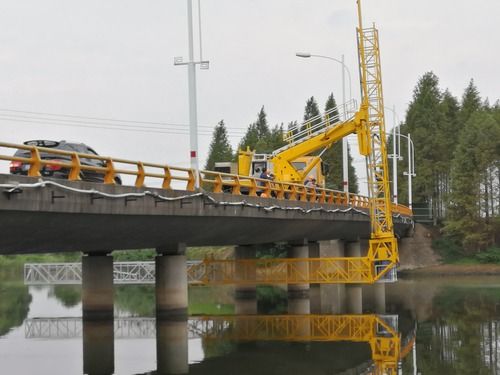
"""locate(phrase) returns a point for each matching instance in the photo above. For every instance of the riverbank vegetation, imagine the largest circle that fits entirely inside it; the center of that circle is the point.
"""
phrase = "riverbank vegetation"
(457, 157)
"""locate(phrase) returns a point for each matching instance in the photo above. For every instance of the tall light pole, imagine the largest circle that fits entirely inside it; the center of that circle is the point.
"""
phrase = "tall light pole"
(395, 157)
(345, 161)
(411, 167)
(193, 109)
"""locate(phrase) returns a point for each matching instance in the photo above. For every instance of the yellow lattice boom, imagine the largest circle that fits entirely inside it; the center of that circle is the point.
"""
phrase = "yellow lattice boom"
(383, 244)
(283, 271)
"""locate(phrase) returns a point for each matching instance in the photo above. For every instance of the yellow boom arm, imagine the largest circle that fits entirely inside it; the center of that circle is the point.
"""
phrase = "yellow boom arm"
(282, 160)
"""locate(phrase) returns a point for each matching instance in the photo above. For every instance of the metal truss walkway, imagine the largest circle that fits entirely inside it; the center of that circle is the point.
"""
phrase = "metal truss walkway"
(222, 272)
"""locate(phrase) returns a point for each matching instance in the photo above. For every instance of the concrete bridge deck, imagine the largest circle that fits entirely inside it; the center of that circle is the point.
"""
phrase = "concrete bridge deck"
(58, 215)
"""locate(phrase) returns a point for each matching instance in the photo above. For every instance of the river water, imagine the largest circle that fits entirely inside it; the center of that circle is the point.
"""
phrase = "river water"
(453, 323)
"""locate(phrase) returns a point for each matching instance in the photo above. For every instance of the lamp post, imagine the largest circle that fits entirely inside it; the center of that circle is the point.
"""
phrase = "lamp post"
(193, 111)
(395, 157)
(345, 162)
(411, 167)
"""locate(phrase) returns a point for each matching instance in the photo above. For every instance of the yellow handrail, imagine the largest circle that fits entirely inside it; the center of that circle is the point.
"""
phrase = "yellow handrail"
(217, 182)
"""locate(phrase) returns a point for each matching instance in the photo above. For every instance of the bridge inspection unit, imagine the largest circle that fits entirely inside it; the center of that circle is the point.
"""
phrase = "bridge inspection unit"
(333, 237)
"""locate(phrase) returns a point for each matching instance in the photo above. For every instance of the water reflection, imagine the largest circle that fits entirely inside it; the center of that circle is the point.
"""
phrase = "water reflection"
(98, 347)
(222, 334)
(457, 325)
(14, 306)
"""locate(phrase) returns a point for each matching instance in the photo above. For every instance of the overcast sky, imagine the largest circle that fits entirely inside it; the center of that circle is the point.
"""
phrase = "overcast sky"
(114, 59)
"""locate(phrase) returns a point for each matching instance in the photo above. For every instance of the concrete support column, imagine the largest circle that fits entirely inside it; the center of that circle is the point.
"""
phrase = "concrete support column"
(379, 297)
(98, 347)
(354, 292)
(171, 283)
(333, 296)
(314, 289)
(97, 286)
(299, 295)
(245, 294)
(172, 347)
(299, 250)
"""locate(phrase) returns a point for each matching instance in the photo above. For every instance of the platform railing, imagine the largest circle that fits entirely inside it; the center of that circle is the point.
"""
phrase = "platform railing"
(216, 182)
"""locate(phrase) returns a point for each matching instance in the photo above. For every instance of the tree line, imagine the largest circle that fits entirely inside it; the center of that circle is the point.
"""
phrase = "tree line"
(264, 139)
(457, 158)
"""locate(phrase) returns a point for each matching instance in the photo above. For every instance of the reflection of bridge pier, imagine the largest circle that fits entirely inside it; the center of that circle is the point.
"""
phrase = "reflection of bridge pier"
(97, 310)
(171, 310)
(98, 347)
(172, 347)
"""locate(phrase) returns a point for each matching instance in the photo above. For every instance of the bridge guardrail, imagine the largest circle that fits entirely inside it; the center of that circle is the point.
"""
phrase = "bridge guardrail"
(218, 182)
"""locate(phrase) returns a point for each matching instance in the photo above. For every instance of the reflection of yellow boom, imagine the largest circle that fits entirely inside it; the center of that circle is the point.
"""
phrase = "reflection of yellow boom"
(383, 339)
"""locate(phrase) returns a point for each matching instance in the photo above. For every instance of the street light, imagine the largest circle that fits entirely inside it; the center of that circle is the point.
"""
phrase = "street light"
(345, 165)
(411, 167)
(307, 55)
(193, 109)
(394, 154)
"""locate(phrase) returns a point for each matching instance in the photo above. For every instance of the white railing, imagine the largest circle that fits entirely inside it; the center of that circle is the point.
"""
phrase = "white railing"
(71, 273)
(318, 124)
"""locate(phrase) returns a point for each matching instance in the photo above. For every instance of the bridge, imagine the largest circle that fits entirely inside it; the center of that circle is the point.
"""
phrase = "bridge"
(324, 228)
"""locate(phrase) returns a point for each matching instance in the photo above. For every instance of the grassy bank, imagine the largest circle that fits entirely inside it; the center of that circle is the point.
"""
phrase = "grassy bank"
(451, 253)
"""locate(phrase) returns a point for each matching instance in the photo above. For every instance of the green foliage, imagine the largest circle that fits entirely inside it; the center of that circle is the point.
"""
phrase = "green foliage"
(220, 148)
(477, 155)
(425, 120)
(139, 300)
(133, 255)
(333, 158)
(14, 306)
(450, 250)
(453, 338)
(12, 265)
(271, 300)
(489, 256)
(257, 135)
(69, 295)
(311, 111)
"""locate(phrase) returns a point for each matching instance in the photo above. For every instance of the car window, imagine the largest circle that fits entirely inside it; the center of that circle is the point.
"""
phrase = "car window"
(66, 147)
(90, 151)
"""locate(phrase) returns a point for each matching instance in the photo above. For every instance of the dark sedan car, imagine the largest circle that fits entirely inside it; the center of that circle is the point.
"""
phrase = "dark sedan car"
(57, 171)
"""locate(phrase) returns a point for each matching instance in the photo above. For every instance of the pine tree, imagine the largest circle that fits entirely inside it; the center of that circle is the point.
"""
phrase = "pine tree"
(220, 148)
(257, 135)
(425, 119)
(471, 102)
(333, 158)
(311, 111)
(474, 198)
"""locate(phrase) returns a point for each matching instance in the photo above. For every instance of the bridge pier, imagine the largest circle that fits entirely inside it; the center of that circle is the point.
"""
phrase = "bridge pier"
(171, 347)
(171, 283)
(245, 296)
(354, 292)
(97, 286)
(332, 296)
(379, 297)
(299, 250)
(315, 289)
